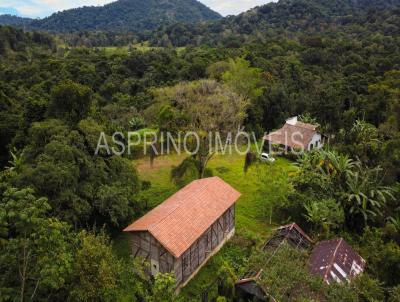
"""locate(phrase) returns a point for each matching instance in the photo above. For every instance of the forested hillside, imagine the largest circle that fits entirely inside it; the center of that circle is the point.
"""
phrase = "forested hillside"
(63, 205)
(122, 15)
(14, 20)
(16, 41)
(286, 17)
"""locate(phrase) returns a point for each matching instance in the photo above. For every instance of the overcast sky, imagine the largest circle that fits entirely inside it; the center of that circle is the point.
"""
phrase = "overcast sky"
(42, 8)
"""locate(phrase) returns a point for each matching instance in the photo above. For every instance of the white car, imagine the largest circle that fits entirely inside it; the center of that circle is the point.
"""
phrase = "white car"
(267, 158)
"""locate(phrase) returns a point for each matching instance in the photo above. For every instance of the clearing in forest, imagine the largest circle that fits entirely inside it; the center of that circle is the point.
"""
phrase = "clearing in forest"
(261, 186)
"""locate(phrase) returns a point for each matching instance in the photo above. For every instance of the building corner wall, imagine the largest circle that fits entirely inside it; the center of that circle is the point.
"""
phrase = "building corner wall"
(216, 250)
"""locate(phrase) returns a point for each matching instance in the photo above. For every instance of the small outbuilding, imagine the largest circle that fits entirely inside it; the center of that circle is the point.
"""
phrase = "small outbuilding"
(335, 260)
(294, 135)
(291, 234)
(248, 288)
(183, 232)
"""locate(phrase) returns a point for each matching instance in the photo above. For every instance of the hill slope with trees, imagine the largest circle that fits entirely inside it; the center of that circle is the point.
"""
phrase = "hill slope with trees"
(122, 15)
(333, 63)
(283, 18)
(14, 20)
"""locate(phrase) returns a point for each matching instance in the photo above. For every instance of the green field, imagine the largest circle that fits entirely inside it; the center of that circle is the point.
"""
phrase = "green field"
(125, 50)
(261, 185)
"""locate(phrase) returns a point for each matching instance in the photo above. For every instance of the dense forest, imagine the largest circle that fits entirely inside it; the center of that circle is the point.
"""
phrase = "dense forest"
(14, 20)
(287, 18)
(335, 63)
(120, 16)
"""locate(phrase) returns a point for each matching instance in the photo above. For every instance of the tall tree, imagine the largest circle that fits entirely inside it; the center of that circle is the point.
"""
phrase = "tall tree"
(208, 108)
(36, 256)
(70, 101)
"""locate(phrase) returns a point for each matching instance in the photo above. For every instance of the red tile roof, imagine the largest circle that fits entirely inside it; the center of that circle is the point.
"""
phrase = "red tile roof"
(335, 260)
(294, 136)
(180, 220)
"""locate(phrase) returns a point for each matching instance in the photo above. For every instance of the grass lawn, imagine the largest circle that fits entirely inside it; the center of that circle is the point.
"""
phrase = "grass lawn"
(125, 50)
(115, 50)
(261, 185)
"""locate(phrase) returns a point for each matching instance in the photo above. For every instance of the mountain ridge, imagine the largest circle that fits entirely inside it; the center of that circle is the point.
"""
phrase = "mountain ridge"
(8, 19)
(287, 15)
(121, 15)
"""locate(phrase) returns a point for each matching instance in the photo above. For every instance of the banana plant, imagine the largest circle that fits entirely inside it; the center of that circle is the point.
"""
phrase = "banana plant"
(16, 161)
(365, 195)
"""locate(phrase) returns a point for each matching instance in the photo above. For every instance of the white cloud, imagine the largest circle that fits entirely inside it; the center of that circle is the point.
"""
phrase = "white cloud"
(63, 4)
(29, 10)
(233, 7)
(42, 8)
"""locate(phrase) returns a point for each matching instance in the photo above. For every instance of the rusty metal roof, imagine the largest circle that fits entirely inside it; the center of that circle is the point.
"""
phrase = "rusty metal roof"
(291, 234)
(294, 225)
(180, 220)
(335, 260)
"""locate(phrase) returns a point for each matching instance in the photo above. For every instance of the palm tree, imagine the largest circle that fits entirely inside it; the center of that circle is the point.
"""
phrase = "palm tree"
(325, 214)
(364, 132)
(364, 194)
(395, 221)
(358, 187)
(363, 139)
(336, 167)
(329, 164)
(16, 161)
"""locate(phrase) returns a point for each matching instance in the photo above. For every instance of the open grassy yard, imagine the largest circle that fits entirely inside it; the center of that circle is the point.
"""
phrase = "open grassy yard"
(260, 186)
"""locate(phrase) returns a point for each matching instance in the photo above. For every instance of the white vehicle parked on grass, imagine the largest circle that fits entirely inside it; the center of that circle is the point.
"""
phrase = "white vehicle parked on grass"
(267, 158)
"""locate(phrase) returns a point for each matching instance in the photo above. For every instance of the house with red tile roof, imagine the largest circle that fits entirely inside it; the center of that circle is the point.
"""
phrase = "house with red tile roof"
(182, 233)
(295, 135)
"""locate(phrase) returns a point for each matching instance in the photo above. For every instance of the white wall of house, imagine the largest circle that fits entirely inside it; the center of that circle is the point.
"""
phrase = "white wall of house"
(316, 142)
(292, 121)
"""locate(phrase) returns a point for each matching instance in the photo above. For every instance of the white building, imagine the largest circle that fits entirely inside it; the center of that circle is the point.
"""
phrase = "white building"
(296, 135)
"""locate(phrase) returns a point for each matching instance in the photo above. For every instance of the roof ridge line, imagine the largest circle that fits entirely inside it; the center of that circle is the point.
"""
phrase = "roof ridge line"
(333, 258)
(301, 125)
